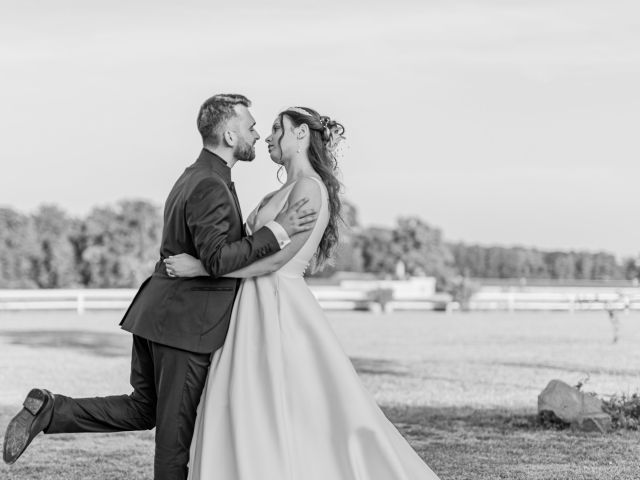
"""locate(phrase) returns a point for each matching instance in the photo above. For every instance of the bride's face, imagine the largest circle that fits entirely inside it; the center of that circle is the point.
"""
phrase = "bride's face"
(282, 143)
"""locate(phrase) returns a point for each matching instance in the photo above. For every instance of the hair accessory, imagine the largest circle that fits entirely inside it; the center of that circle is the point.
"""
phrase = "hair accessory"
(335, 137)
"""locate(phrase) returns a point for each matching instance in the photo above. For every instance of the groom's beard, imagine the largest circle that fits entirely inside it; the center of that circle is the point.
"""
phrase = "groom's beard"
(245, 152)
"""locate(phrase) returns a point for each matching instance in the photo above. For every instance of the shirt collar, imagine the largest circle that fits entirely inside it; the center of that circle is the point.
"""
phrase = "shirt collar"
(215, 163)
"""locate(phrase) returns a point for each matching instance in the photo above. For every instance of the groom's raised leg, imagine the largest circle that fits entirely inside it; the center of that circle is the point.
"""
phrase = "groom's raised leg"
(180, 379)
(114, 413)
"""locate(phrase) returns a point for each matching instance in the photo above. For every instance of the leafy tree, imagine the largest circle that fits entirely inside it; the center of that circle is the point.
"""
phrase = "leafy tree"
(120, 245)
(56, 263)
(18, 250)
(375, 245)
(413, 242)
(470, 260)
(562, 265)
(422, 249)
(631, 268)
(584, 266)
(605, 267)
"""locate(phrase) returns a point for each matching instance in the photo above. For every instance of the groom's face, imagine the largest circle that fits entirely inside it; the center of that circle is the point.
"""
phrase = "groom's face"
(247, 136)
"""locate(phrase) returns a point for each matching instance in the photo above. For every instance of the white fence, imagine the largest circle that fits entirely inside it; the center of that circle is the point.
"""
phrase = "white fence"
(553, 301)
(78, 300)
(372, 295)
(417, 293)
(580, 296)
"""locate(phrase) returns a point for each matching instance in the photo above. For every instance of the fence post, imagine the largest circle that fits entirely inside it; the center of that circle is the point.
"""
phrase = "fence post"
(572, 303)
(81, 305)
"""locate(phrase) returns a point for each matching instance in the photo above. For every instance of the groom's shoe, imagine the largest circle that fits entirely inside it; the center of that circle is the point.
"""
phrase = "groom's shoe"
(29, 422)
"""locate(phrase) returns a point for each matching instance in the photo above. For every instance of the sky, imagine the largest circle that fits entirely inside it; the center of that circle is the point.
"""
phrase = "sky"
(510, 122)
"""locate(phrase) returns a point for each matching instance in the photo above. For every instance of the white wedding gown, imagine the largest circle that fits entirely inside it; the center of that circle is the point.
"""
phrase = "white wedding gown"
(282, 400)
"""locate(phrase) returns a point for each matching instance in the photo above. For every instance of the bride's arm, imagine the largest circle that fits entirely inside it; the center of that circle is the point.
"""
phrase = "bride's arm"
(184, 265)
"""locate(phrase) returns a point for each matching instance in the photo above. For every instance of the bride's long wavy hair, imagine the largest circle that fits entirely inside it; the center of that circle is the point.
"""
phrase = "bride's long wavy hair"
(325, 133)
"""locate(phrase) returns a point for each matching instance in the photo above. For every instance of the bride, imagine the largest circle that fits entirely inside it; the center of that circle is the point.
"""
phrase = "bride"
(282, 400)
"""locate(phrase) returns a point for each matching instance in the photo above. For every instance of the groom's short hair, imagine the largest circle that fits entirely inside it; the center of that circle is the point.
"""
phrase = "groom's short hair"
(215, 113)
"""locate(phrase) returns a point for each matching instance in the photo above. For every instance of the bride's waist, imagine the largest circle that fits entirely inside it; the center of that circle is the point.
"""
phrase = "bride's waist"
(294, 268)
(283, 274)
(288, 274)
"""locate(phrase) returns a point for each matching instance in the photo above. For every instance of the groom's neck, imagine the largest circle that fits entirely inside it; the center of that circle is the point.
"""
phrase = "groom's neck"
(224, 153)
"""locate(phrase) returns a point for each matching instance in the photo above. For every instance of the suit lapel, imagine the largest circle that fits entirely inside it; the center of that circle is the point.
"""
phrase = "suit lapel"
(232, 187)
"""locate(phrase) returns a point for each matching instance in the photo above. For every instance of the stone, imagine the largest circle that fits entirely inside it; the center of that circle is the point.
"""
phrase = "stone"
(595, 422)
(568, 403)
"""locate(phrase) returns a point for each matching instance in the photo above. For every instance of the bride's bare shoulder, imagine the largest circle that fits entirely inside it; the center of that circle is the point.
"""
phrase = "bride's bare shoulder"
(310, 187)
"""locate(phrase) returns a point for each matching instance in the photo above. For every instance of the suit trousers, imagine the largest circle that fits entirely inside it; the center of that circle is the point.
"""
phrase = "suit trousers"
(167, 384)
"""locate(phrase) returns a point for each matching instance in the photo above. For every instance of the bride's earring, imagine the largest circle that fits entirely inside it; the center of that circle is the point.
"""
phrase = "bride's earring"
(298, 146)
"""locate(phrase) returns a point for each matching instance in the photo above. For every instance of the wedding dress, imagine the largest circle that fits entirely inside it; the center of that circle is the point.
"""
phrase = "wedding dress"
(282, 400)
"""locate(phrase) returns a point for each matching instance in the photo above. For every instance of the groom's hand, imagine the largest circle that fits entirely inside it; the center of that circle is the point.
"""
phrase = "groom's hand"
(184, 265)
(295, 219)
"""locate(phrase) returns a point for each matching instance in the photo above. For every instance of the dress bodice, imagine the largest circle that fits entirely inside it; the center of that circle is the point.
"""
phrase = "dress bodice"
(267, 211)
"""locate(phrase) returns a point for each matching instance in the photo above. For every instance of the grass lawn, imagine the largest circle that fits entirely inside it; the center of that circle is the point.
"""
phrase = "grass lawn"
(462, 388)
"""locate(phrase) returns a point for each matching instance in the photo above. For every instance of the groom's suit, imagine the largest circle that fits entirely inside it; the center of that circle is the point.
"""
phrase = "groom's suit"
(178, 322)
(202, 218)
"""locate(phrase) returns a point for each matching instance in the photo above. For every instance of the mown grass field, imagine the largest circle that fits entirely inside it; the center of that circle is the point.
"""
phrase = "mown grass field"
(462, 388)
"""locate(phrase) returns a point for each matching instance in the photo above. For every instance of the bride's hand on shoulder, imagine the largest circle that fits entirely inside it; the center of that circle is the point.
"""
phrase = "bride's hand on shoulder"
(184, 265)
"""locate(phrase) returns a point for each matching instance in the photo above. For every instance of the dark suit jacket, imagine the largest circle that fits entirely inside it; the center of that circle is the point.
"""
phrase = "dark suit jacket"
(202, 218)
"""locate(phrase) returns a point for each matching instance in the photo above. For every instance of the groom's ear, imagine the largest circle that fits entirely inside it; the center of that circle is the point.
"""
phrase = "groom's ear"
(228, 138)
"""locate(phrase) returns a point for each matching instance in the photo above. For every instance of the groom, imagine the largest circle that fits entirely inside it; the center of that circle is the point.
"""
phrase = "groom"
(177, 322)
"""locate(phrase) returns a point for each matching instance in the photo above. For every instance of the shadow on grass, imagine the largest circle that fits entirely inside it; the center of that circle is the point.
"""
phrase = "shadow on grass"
(106, 344)
(101, 344)
(464, 418)
(375, 366)
(571, 368)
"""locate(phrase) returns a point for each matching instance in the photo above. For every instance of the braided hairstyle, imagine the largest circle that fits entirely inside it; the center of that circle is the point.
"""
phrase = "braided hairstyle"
(324, 133)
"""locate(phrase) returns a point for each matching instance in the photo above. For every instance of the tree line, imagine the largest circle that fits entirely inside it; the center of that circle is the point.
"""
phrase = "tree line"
(117, 246)
(422, 249)
(113, 246)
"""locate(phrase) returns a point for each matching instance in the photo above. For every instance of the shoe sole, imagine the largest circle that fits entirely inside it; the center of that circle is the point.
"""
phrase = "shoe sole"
(20, 426)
